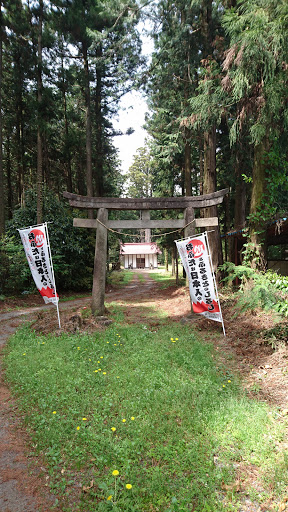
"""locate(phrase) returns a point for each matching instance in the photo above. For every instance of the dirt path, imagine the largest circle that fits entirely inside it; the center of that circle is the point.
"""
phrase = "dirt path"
(22, 482)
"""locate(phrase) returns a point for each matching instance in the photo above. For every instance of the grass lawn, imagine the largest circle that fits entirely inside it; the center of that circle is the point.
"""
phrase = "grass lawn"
(120, 277)
(131, 419)
(165, 279)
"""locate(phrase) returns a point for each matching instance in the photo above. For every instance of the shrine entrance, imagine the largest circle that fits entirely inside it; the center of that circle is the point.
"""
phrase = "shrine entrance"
(140, 262)
(103, 224)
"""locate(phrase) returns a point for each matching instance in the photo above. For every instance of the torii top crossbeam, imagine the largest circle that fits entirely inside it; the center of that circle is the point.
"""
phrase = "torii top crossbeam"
(151, 203)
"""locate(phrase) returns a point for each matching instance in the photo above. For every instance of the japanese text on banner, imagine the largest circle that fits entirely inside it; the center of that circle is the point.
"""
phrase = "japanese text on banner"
(195, 260)
(37, 252)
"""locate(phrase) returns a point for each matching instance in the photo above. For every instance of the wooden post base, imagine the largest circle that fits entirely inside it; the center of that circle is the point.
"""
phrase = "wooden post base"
(99, 273)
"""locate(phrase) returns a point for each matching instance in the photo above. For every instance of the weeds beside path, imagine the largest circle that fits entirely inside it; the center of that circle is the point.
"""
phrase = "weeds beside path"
(157, 398)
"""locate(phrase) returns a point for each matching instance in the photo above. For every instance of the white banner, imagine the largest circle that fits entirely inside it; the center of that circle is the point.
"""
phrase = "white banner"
(195, 259)
(35, 242)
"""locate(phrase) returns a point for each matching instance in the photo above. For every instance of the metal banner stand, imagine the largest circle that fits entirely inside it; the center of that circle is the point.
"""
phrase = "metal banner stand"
(214, 280)
(53, 276)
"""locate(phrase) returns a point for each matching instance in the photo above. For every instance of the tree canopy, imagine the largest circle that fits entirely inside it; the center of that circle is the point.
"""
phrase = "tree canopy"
(216, 89)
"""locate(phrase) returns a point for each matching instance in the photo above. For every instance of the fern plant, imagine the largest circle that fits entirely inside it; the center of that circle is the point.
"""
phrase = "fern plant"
(258, 289)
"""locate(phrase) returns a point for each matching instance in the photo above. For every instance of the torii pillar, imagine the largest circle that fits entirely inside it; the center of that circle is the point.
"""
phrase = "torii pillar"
(99, 273)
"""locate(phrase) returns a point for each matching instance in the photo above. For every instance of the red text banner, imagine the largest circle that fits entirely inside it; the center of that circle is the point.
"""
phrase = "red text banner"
(196, 262)
(37, 251)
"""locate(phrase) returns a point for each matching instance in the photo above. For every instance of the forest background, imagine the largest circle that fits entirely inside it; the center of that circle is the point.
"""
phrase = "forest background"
(216, 87)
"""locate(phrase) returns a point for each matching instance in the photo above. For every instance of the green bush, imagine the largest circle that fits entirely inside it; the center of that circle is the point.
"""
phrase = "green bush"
(267, 290)
(15, 273)
(72, 249)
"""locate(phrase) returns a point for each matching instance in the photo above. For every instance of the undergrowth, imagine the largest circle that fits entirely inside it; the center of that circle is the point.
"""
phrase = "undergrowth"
(258, 289)
(120, 277)
(278, 333)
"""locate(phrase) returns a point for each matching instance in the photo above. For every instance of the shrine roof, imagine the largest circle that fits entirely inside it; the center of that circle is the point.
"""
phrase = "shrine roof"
(140, 248)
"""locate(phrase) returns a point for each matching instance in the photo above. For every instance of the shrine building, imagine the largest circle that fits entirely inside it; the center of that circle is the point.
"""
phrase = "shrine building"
(140, 255)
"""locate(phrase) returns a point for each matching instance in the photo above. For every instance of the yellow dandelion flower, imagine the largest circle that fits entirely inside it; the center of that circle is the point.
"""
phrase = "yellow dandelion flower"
(101, 357)
(107, 342)
(24, 354)
(115, 344)
(117, 377)
(123, 420)
(104, 373)
(99, 369)
(224, 386)
(84, 419)
(176, 339)
(229, 381)
(113, 429)
(128, 486)
(54, 412)
(173, 341)
(78, 428)
(132, 418)
(109, 498)
(115, 472)
(98, 362)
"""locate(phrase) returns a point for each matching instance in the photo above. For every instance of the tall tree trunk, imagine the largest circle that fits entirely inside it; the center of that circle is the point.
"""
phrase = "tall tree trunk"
(201, 166)
(166, 259)
(239, 207)
(80, 177)
(209, 178)
(187, 131)
(47, 178)
(240, 187)
(257, 231)
(20, 150)
(9, 179)
(209, 186)
(39, 123)
(188, 181)
(176, 264)
(226, 224)
(99, 125)
(89, 175)
(67, 153)
(67, 148)
(2, 202)
(19, 158)
(173, 261)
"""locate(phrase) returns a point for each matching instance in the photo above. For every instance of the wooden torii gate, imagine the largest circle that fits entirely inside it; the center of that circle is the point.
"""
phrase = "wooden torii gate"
(102, 224)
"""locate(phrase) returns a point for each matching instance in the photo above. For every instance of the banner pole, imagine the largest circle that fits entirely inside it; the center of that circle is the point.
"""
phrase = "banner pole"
(36, 225)
(52, 270)
(214, 280)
